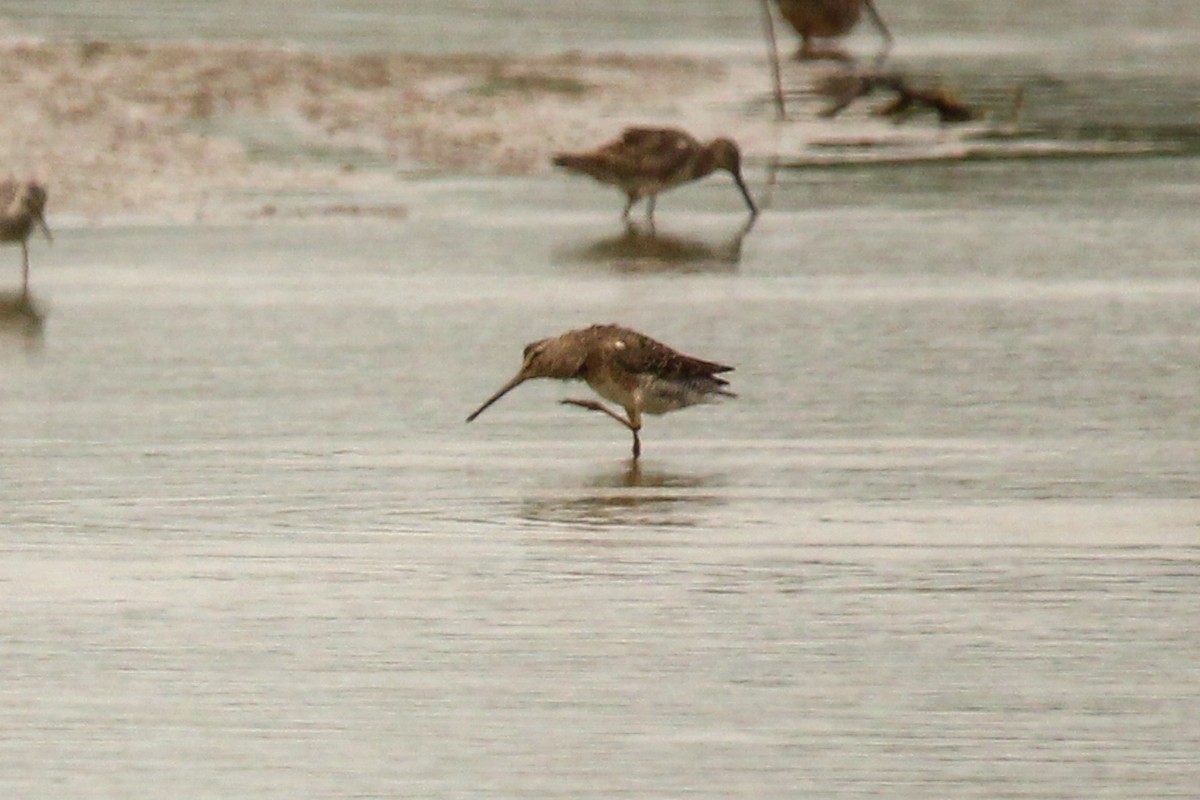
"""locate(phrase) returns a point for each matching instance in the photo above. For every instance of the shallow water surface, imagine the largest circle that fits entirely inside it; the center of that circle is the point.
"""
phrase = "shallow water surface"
(942, 545)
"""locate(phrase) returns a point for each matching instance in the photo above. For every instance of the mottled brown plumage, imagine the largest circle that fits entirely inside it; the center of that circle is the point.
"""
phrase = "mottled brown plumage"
(22, 205)
(828, 19)
(640, 374)
(647, 161)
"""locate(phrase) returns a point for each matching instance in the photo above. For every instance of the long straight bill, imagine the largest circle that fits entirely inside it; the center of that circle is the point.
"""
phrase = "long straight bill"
(45, 228)
(508, 387)
(746, 194)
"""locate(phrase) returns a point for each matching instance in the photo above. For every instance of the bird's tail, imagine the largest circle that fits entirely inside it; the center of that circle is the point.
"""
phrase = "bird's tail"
(708, 389)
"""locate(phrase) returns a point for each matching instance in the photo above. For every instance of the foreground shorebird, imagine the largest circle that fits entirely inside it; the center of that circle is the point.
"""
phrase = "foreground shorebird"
(647, 161)
(21, 207)
(828, 19)
(636, 372)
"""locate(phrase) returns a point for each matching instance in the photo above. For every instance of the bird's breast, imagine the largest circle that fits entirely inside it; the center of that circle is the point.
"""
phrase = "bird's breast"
(15, 228)
(613, 385)
(650, 394)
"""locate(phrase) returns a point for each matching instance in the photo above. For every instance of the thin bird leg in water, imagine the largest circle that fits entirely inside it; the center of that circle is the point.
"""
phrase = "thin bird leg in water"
(650, 208)
(593, 405)
(882, 27)
(628, 206)
(24, 268)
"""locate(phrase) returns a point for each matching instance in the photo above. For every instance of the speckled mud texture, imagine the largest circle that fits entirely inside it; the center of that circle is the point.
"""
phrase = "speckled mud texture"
(169, 130)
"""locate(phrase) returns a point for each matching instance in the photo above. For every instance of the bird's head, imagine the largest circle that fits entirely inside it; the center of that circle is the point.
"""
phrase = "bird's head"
(31, 200)
(726, 155)
(559, 357)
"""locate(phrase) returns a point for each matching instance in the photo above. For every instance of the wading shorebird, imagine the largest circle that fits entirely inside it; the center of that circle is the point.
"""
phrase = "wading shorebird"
(21, 207)
(647, 161)
(621, 365)
(829, 19)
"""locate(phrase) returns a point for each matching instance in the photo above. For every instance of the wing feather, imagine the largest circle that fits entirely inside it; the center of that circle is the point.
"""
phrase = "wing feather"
(658, 155)
(638, 353)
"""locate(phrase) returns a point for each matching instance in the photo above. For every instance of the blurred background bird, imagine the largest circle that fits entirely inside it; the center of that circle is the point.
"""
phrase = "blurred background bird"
(647, 161)
(829, 19)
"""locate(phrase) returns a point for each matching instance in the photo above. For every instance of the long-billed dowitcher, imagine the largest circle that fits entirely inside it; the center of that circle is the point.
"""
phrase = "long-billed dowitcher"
(21, 207)
(641, 375)
(828, 19)
(647, 161)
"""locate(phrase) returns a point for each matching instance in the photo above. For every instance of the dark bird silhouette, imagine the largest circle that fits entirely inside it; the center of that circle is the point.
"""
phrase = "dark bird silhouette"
(22, 206)
(639, 374)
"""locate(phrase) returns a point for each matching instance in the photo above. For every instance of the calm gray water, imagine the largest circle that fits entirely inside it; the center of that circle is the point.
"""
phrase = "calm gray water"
(943, 545)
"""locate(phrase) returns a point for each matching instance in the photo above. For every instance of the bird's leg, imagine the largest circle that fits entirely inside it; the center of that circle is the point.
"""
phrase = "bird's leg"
(634, 423)
(24, 268)
(593, 405)
(635, 419)
(805, 53)
(650, 210)
(632, 198)
(883, 31)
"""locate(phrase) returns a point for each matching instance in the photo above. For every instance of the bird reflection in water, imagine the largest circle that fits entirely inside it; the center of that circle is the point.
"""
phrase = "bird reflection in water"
(633, 495)
(642, 249)
(22, 320)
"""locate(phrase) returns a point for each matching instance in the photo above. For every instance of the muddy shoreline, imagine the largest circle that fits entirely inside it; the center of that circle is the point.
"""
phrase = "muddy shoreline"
(119, 129)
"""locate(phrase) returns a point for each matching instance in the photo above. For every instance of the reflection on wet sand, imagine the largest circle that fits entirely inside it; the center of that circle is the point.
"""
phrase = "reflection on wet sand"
(640, 248)
(631, 496)
(21, 319)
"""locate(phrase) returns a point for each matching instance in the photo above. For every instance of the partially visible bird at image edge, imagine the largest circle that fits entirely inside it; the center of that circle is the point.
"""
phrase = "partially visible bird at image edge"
(22, 206)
